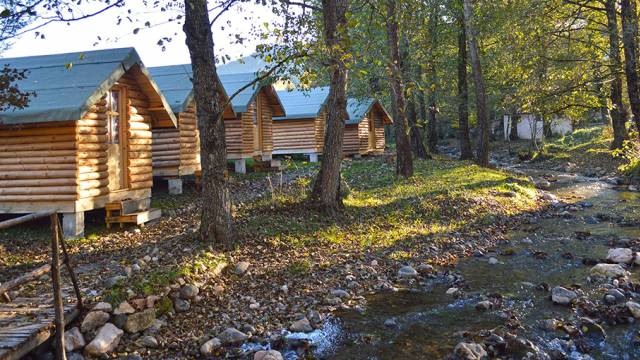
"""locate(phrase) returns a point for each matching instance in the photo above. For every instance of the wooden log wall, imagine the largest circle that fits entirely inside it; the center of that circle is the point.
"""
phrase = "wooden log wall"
(295, 135)
(351, 142)
(363, 136)
(267, 124)
(377, 115)
(320, 125)
(176, 152)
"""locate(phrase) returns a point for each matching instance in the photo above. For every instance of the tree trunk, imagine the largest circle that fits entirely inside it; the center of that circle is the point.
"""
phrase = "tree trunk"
(326, 190)
(463, 95)
(433, 77)
(404, 159)
(215, 222)
(513, 133)
(630, 44)
(482, 155)
(407, 68)
(618, 112)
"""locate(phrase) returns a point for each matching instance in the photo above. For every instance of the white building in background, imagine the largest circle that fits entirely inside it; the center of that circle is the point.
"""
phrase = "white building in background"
(530, 128)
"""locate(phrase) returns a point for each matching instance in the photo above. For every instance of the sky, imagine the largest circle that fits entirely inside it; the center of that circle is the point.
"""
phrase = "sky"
(101, 32)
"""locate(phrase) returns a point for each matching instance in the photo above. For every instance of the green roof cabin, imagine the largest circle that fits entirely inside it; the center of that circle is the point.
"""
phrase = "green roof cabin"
(84, 140)
(248, 123)
(302, 130)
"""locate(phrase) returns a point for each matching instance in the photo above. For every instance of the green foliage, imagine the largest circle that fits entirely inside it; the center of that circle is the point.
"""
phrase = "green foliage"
(630, 153)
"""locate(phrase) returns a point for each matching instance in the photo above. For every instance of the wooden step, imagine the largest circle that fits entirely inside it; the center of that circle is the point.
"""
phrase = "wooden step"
(129, 206)
(137, 218)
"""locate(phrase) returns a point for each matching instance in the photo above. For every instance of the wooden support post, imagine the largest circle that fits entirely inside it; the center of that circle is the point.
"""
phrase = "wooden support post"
(69, 265)
(57, 293)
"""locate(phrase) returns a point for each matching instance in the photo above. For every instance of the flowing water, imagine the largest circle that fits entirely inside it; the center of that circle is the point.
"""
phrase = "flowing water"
(429, 323)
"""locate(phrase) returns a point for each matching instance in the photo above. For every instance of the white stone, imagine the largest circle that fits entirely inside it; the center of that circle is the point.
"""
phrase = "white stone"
(94, 320)
(562, 296)
(608, 270)
(103, 306)
(124, 308)
(267, 355)
(470, 351)
(620, 255)
(634, 308)
(313, 157)
(105, 341)
(73, 339)
(210, 346)
(407, 272)
(242, 267)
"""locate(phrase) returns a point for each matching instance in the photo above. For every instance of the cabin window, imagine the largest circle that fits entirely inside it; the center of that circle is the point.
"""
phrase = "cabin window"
(113, 123)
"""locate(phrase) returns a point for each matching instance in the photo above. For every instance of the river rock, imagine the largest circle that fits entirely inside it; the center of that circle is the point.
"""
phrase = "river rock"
(181, 305)
(103, 306)
(608, 270)
(562, 296)
(614, 296)
(407, 272)
(301, 325)
(493, 261)
(124, 308)
(94, 320)
(210, 346)
(148, 342)
(189, 291)
(105, 341)
(140, 321)
(542, 184)
(636, 258)
(620, 255)
(231, 336)
(634, 309)
(470, 351)
(73, 339)
(241, 267)
(268, 355)
(340, 293)
(484, 305)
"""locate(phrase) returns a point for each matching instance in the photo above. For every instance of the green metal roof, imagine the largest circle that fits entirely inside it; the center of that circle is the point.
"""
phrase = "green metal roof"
(251, 64)
(175, 82)
(66, 85)
(302, 104)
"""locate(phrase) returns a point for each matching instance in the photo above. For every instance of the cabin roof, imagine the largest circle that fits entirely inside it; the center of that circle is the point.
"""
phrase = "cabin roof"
(252, 64)
(175, 82)
(358, 108)
(303, 104)
(66, 85)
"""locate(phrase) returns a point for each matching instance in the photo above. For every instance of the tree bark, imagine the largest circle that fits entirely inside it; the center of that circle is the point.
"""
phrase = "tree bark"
(618, 112)
(513, 133)
(482, 154)
(404, 158)
(630, 44)
(433, 77)
(463, 95)
(416, 136)
(409, 74)
(215, 222)
(326, 190)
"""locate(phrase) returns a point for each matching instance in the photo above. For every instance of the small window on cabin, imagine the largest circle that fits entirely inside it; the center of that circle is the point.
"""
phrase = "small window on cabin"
(113, 123)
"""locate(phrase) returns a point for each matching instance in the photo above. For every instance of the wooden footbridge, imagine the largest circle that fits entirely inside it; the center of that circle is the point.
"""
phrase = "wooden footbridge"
(26, 323)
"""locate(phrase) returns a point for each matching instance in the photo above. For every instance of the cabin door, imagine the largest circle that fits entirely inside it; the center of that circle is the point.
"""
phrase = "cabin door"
(116, 140)
(257, 126)
(372, 133)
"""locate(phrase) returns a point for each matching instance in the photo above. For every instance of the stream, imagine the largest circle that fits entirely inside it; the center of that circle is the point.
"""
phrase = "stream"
(555, 249)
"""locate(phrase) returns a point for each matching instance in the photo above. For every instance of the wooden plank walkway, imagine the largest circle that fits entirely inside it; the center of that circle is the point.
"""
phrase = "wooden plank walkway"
(26, 323)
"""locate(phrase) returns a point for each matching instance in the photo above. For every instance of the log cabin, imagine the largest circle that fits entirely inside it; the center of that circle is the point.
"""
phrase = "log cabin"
(364, 130)
(248, 123)
(83, 142)
(301, 130)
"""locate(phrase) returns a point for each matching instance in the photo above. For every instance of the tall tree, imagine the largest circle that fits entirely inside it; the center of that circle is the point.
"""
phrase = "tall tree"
(434, 17)
(482, 155)
(618, 111)
(404, 158)
(326, 190)
(410, 73)
(215, 222)
(630, 43)
(463, 93)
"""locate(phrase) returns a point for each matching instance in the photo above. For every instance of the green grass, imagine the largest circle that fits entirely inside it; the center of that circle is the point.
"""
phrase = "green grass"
(592, 140)
(381, 209)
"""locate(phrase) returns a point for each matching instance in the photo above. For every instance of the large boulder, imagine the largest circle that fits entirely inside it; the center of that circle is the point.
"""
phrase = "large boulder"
(105, 341)
(562, 296)
(470, 351)
(620, 255)
(140, 321)
(608, 270)
(73, 339)
(94, 320)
